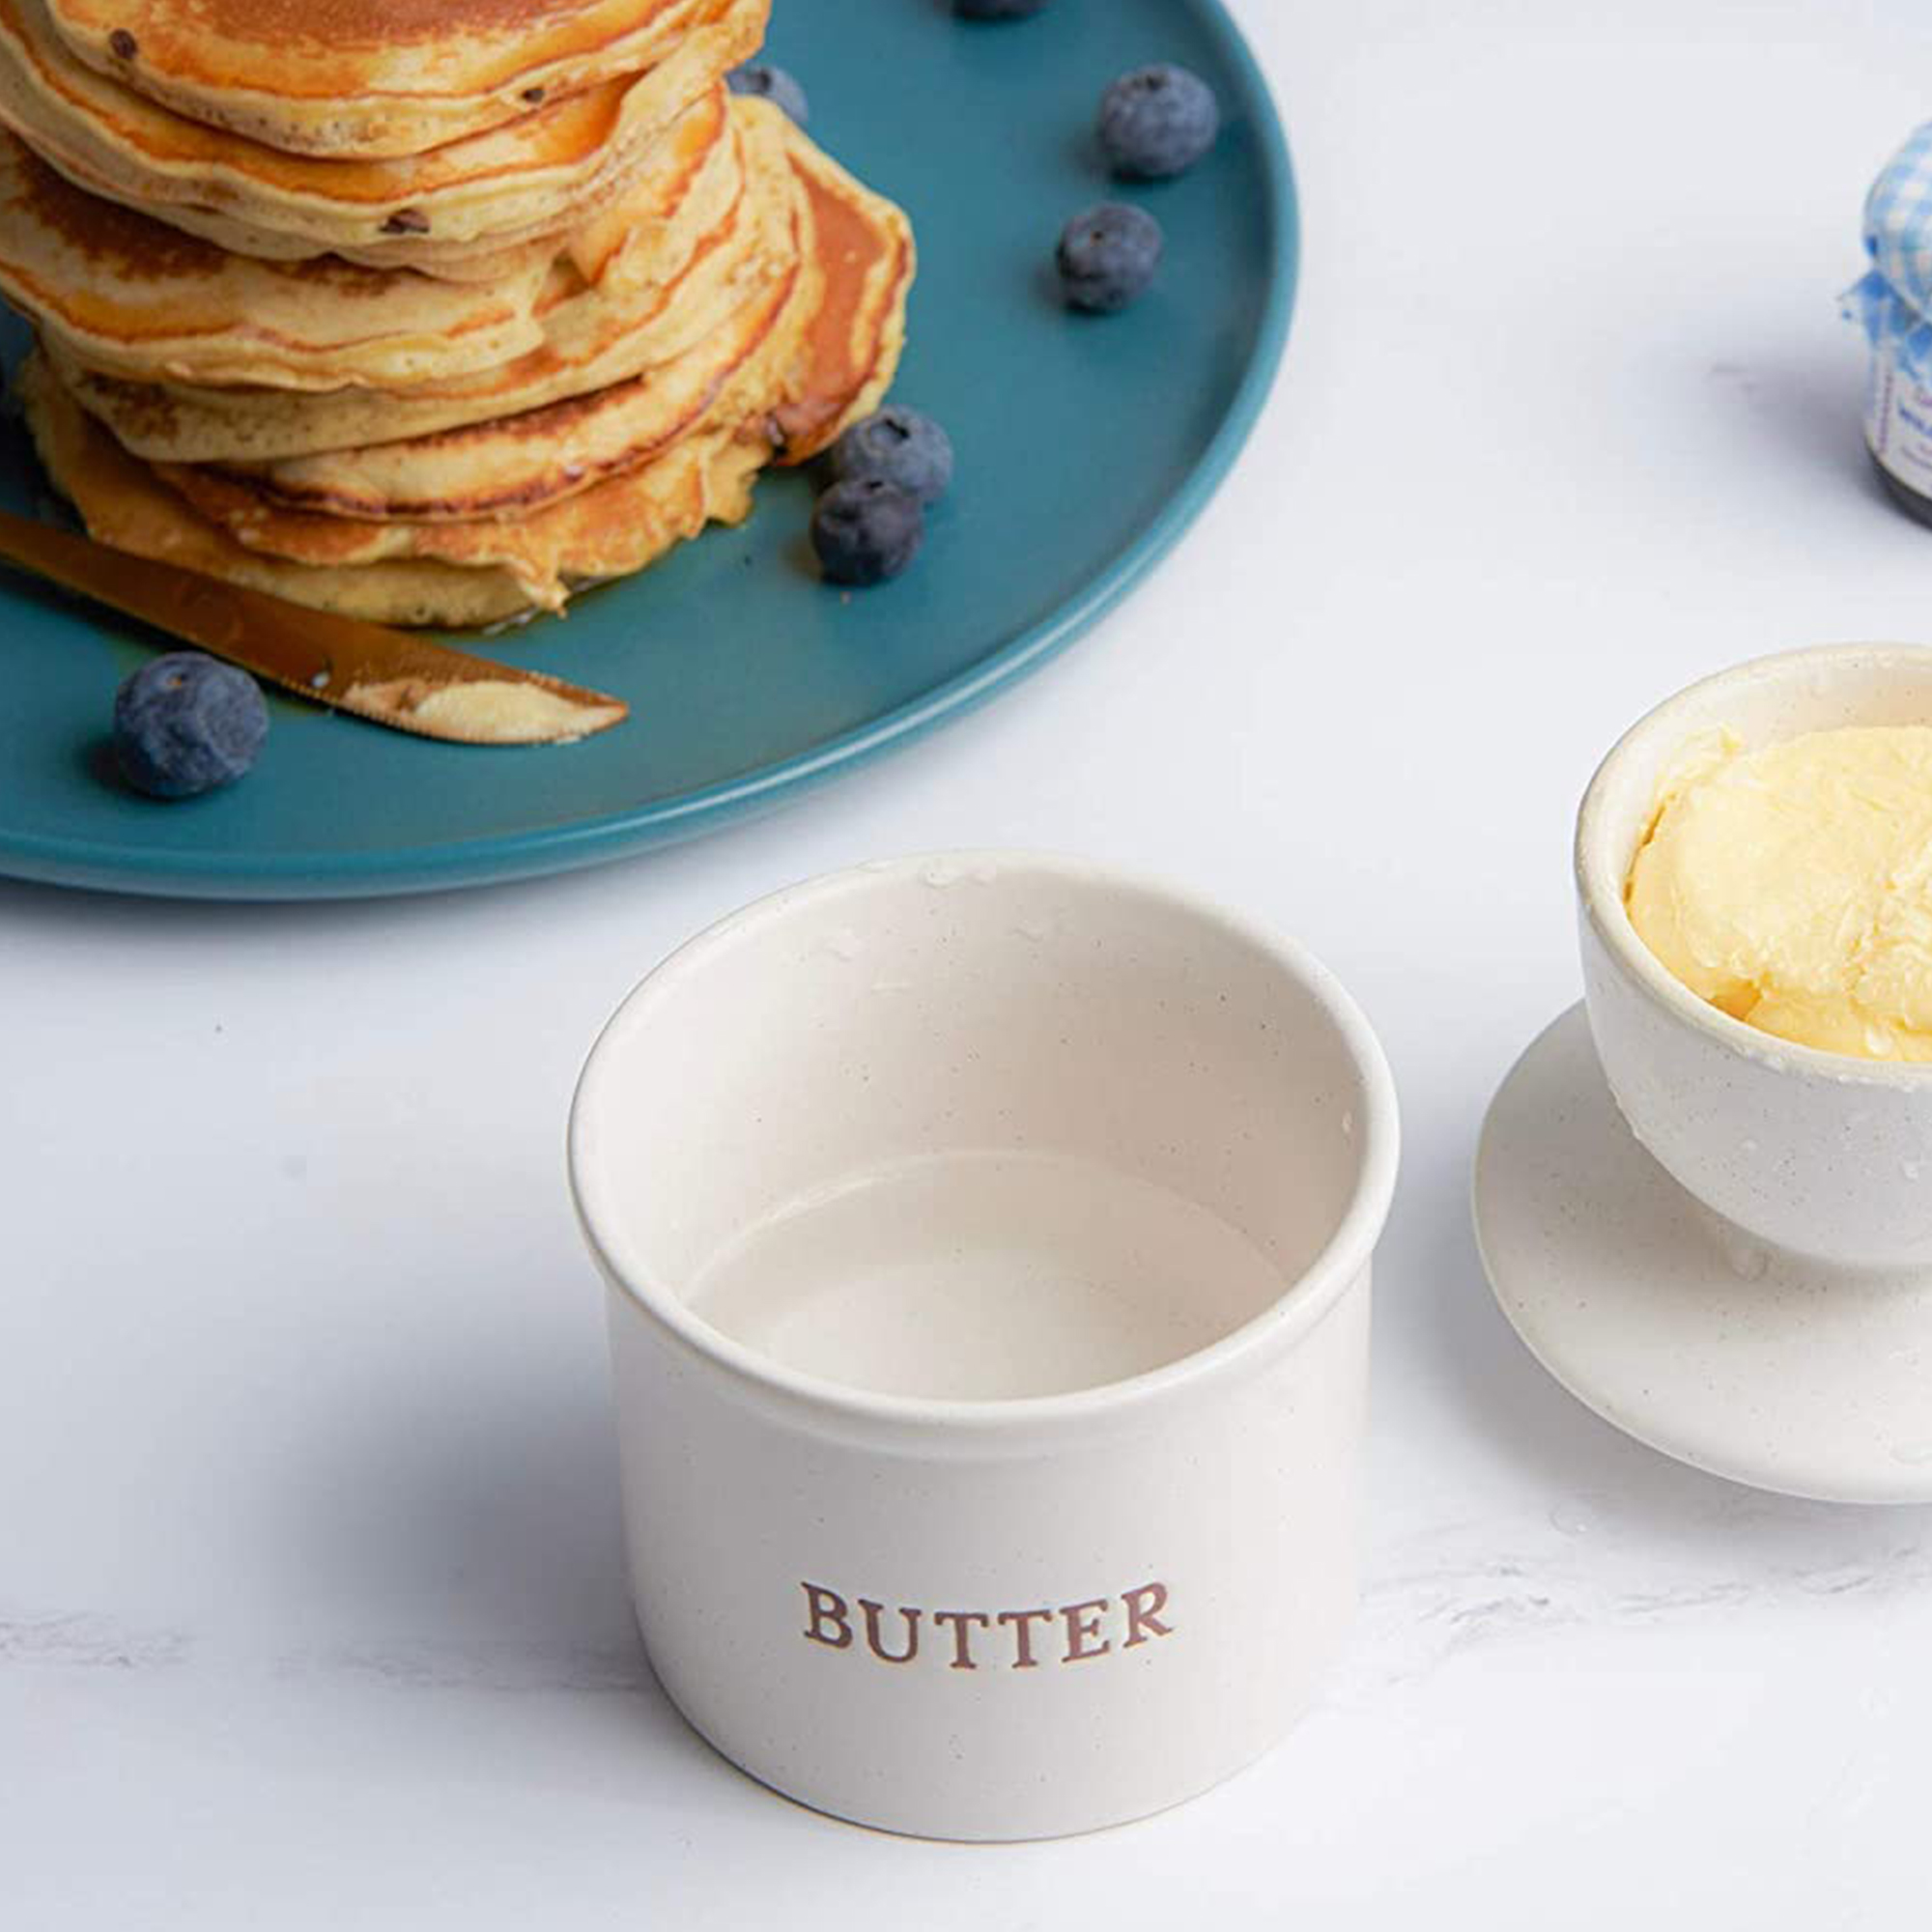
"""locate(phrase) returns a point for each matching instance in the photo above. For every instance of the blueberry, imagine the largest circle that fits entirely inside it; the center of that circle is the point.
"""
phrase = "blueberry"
(185, 723)
(865, 530)
(1108, 256)
(1157, 122)
(996, 10)
(897, 446)
(773, 84)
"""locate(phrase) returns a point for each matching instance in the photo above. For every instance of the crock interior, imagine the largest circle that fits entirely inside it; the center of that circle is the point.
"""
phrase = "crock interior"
(1068, 1059)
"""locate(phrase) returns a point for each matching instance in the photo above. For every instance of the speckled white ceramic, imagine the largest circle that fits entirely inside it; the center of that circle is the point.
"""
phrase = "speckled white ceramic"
(1758, 1366)
(1756, 1299)
(989, 1618)
(1823, 1155)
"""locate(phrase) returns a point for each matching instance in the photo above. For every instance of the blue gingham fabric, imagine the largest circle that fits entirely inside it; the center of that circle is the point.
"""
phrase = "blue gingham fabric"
(1894, 301)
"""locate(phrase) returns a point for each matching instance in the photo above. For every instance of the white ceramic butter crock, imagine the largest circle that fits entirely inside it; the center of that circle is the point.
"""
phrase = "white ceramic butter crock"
(1818, 1154)
(996, 1617)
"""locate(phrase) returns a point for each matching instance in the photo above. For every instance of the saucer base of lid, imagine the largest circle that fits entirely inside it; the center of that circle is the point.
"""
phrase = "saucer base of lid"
(1759, 1368)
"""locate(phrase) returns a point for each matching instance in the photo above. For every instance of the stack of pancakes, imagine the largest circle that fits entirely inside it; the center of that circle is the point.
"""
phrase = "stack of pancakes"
(426, 311)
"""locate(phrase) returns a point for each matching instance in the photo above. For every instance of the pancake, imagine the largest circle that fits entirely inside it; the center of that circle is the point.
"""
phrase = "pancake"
(124, 504)
(800, 355)
(828, 359)
(854, 340)
(118, 293)
(499, 569)
(131, 296)
(514, 464)
(620, 526)
(593, 338)
(366, 77)
(622, 221)
(539, 174)
(684, 188)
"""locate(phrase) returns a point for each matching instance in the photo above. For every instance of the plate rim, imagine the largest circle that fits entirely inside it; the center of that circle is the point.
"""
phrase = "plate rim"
(502, 857)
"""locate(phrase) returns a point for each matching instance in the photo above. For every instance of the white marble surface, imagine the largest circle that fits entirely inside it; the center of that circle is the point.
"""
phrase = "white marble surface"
(310, 1602)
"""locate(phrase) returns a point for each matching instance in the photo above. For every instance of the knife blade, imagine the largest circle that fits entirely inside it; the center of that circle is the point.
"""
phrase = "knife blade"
(386, 675)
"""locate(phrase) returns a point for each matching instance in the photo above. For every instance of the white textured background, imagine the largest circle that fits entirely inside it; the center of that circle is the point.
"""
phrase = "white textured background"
(310, 1602)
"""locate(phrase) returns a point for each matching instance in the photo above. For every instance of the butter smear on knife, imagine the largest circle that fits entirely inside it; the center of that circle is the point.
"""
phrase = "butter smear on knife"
(487, 712)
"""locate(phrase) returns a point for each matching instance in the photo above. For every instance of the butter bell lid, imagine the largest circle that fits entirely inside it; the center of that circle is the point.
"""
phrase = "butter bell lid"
(1895, 299)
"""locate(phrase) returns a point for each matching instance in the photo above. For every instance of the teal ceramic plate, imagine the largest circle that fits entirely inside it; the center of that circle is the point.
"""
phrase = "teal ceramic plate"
(1085, 448)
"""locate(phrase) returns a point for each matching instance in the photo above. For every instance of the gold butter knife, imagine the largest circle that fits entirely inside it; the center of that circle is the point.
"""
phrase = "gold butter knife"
(378, 673)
